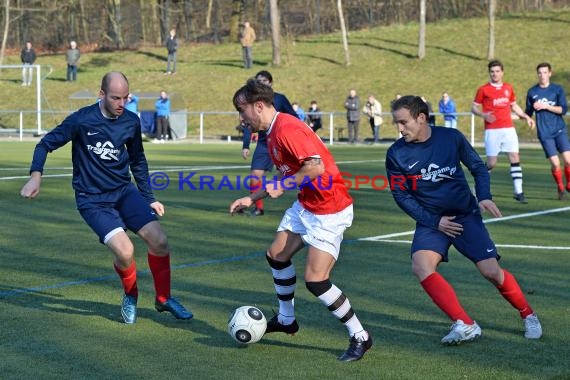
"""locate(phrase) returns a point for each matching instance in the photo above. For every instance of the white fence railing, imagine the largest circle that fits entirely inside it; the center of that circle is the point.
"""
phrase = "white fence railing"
(208, 125)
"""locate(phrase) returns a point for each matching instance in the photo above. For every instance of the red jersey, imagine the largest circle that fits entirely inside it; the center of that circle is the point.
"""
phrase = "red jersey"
(497, 98)
(290, 142)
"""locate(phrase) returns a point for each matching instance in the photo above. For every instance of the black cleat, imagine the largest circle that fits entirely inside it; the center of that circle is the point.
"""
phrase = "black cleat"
(356, 349)
(273, 325)
(173, 307)
(562, 195)
(520, 198)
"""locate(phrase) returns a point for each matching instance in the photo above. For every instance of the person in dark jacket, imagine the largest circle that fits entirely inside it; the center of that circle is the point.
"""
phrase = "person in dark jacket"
(28, 57)
(172, 47)
(72, 57)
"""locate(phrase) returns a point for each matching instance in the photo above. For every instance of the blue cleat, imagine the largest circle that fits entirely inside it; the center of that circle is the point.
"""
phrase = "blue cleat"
(129, 309)
(174, 307)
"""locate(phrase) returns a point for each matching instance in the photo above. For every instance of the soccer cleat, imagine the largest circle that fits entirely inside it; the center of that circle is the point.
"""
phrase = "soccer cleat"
(532, 327)
(520, 198)
(173, 307)
(356, 349)
(129, 309)
(460, 332)
(273, 325)
(562, 195)
(257, 212)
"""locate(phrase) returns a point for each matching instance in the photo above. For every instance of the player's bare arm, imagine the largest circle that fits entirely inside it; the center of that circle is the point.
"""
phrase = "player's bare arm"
(520, 113)
(245, 153)
(539, 106)
(476, 110)
(32, 188)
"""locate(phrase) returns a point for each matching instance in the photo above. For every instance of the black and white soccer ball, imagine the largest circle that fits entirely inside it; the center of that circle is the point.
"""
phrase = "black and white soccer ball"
(247, 324)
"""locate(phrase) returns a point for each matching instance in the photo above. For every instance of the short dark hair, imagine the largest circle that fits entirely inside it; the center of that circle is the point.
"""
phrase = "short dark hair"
(413, 103)
(265, 74)
(253, 91)
(495, 62)
(544, 64)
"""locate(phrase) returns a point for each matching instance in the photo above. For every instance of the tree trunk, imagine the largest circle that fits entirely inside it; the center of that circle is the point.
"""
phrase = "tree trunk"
(115, 19)
(189, 20)
(422, 36)
(237, 17)
(84, 23)
(275, 31)
(6, 29)
(491, 50)
(343, 32)
(209, 15)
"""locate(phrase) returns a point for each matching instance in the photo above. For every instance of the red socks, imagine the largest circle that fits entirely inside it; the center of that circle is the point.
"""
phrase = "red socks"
(512, 292)
(254, 186)
(128, 279)
(445, 298)
(557, 175)
(567, 175)
(160, 269)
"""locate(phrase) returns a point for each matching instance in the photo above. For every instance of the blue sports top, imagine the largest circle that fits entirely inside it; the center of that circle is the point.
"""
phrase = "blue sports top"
(162, 107)
(102, 151)
(434, 166)
(549, 124)
(281, 104)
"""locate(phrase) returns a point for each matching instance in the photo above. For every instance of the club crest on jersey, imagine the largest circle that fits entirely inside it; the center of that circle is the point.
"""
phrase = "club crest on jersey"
(105, 150)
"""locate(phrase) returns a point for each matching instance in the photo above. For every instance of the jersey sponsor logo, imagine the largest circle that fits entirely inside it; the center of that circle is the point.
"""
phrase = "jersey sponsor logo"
(89, 133)
(106, 150)
(546, 101)
(435, 174)
(501, 102)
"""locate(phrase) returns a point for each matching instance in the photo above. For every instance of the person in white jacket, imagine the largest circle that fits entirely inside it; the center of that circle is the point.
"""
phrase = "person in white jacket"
(373, 109)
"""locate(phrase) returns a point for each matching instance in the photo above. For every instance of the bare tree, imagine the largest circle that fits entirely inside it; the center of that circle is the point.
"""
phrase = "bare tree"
(238, 7)
(6, 29)
(492, 8)
(114, 33)
(343, 32)
(275, 31)
(422, 36)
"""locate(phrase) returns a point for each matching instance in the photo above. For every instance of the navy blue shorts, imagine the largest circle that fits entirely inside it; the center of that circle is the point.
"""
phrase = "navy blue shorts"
(124, 208)
(261, 159)
(474, 243)
(555, 145)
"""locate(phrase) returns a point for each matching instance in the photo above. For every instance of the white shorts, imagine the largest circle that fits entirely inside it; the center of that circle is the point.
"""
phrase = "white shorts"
(323, 232)
(501, 140)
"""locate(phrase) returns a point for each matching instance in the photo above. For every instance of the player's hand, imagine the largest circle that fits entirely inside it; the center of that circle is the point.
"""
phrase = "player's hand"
(158, 208)
(450, 228)
(274, 189)
(489, 205)
(530, 122)
(245, 153)
(489, 117)
(32, 188)
(240, 204)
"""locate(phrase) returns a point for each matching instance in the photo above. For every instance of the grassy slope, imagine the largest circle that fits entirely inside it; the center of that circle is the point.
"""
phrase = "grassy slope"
(383, 63)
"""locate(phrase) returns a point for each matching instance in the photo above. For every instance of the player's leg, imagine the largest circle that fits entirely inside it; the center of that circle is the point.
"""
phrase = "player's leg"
(563, 146)
(255, 184)
(492, 148)
(566, 158)
(510, 145)
(284, 246)
(260, 164)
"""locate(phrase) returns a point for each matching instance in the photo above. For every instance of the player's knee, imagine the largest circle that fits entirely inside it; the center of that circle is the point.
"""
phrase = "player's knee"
(493, 275)
(318, 288)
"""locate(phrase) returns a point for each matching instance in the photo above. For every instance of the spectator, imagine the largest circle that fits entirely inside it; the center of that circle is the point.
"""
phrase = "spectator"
(247, 39)
(373, 109)
(314, 116)
(299, 111)
(352, 106)
(162, 108)
(447, 108)
(132, 103)
(431, 118)
(28, 57)
(72, 57)
(171, 47)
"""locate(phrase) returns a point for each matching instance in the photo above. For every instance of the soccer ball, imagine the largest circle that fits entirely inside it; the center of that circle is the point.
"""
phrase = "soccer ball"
(247, 324)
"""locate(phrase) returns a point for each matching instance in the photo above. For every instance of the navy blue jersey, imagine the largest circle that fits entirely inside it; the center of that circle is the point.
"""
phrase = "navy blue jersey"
(103, 150)
(428, 181)
(548, 124)
(281, 104)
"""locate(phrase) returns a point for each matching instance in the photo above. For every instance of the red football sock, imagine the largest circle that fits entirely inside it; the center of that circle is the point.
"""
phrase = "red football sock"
(254, 186)
(445, 298)
(128, 279)
(512, 292)
(557, 175)
(160, 269)
(567, 175)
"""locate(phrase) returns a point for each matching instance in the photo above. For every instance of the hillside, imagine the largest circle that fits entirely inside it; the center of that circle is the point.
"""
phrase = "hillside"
(383, 63)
